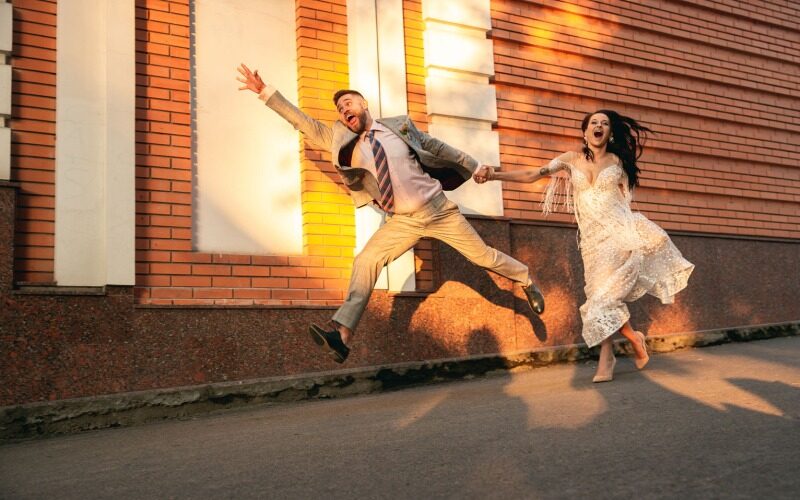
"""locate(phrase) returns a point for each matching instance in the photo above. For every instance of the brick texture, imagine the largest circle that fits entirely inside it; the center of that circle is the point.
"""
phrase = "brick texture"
(169, 272)
(33, 109)
(328, 211)
(717, 80)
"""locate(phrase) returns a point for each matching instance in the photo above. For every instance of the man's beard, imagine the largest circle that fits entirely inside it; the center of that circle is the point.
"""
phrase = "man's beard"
(361, 125)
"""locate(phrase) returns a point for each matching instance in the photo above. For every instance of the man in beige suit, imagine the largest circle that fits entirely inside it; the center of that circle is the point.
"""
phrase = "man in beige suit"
(403, 171)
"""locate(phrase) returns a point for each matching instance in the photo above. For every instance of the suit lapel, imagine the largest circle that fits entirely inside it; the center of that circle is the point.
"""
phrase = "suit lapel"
(344, 140)
(399, 126)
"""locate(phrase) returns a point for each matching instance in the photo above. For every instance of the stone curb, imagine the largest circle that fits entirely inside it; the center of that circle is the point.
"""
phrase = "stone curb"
(132, 408)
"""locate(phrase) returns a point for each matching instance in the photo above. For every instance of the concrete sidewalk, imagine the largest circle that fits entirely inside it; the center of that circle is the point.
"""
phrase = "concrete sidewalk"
(718, 422)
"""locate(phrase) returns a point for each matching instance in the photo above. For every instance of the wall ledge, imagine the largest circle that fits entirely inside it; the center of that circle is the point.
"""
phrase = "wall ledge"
(53, 289)
(133, 408)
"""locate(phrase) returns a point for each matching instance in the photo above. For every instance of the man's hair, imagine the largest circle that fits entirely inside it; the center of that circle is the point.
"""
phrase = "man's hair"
(340, 93)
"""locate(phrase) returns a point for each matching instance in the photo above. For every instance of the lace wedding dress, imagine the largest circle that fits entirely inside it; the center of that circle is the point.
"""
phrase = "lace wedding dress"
(625, 255)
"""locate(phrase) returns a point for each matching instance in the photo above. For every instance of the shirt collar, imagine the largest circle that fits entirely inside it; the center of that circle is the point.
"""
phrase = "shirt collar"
(376, 126)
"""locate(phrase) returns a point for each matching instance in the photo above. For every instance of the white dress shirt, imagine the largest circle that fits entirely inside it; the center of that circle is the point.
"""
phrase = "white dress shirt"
(411, 186)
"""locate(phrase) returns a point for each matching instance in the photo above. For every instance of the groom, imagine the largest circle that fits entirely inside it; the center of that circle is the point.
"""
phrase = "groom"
(403, 171)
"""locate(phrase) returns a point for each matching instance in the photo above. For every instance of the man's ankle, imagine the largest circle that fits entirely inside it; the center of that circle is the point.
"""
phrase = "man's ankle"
(344, 332)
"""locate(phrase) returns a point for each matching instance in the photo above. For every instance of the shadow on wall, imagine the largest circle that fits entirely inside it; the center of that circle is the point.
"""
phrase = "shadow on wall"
(467, 298)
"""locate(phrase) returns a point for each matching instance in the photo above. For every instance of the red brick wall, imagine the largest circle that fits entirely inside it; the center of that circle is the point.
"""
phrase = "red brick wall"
(724, 162)
(717, 80)
(163, 155)
(168, 271)
(413, 28)
(328, 211)
(33, 137)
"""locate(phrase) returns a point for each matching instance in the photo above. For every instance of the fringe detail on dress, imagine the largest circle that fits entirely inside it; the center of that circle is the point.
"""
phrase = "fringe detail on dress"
(558, 191)
(559, 194)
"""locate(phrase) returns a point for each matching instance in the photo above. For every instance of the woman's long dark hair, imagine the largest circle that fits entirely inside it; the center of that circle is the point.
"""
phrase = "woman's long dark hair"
(629, 139)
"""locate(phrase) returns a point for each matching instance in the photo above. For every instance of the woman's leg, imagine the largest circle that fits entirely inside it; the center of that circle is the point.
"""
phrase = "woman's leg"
(637, 341)
(606, 362)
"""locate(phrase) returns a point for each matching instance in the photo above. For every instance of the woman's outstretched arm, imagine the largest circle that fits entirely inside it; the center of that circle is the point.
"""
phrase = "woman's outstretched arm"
(487, 173)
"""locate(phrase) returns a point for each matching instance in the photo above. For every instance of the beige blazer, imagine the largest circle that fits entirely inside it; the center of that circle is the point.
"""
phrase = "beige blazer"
(444, 163)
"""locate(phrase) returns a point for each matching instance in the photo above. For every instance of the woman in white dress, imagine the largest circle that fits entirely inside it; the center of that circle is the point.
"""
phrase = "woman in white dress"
(624, 254)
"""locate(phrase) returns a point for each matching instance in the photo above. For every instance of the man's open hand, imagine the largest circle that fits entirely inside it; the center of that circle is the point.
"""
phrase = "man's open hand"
(250, 79)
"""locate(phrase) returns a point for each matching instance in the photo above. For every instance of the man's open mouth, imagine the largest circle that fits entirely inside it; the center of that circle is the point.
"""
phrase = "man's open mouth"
(352, 120)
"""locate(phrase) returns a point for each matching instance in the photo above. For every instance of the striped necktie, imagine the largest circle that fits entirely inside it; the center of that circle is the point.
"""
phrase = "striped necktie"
(382, 168)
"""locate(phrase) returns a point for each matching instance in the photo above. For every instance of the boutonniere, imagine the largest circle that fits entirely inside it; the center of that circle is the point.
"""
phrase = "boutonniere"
(404, 129)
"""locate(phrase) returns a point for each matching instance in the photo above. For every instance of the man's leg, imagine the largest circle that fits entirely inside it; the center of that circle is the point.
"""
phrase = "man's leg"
(389, 242)
(451, 227)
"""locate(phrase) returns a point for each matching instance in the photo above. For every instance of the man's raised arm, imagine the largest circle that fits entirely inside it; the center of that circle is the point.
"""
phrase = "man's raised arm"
(315, 131)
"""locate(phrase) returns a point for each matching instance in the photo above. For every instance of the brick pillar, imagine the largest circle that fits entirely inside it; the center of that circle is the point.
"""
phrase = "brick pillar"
(33, 137)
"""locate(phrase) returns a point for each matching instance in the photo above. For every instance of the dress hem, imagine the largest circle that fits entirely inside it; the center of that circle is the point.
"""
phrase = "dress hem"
(677, 282)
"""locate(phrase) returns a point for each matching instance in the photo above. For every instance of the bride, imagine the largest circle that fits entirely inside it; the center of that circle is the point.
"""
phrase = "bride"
(624, 254)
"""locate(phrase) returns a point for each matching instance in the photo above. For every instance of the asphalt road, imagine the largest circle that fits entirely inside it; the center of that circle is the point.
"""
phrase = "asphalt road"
(718, 422)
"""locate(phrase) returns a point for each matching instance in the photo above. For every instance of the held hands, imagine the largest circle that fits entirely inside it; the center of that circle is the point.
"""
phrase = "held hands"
(483, 174)
(250, 79)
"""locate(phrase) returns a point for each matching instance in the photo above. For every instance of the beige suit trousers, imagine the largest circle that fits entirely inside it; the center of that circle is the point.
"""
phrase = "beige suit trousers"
(440, 219)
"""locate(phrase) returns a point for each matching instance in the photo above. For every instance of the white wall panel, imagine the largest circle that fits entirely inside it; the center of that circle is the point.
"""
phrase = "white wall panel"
(6, 41)
(458, 50)
(463, 99)
(462, 104)
(376, 56)
(247, 164)
(95, 138)
(482, 143)
(5, 90)
(6, 26)
(472, 13)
